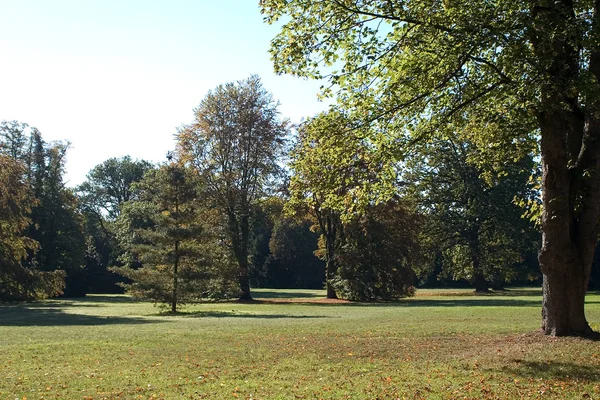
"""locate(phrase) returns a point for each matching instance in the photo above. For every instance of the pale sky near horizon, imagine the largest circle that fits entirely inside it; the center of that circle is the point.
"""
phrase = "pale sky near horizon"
(117, 77)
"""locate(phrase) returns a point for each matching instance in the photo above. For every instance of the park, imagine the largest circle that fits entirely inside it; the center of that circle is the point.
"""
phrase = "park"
(429, 230)
(440, 344)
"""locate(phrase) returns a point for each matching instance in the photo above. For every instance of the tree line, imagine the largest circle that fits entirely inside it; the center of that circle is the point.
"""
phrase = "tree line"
(248, 200)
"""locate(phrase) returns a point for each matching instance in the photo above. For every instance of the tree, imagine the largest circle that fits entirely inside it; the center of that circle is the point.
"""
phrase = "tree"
(411, 66)
(470, 210)
(172, 246)
(107, 187)
(17, 281)
(56, 224)
(378, 252)
(235, 142)
(336, 172)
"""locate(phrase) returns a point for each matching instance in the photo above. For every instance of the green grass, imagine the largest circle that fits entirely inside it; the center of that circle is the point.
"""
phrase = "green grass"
(440, 344)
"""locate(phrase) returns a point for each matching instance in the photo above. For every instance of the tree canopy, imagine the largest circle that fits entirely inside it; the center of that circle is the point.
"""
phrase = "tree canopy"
(235, 143)
(518, 70)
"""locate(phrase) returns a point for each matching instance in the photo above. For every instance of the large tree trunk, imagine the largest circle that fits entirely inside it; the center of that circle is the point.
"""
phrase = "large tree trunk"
(568, 235)
(570, 140)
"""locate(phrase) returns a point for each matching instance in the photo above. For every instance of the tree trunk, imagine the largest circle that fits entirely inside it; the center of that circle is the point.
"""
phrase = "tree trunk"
(570, 152)
(330, 237)
(478, 281)
(243, 276)
(330, 271)
(568, 240)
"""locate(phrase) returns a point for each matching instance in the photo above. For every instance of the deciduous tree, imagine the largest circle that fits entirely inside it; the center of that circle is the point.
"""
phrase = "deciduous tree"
(235, 142)
(336, 171)
(411, 66)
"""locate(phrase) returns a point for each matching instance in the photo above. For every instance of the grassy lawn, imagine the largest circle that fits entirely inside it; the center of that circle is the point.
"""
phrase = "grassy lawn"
(441, 344)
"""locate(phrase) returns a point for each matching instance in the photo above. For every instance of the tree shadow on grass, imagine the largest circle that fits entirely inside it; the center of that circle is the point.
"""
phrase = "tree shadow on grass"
(267, 294)
(118, 298)
(234, 314)
(554, 370)
(48, 314)
(421, 303)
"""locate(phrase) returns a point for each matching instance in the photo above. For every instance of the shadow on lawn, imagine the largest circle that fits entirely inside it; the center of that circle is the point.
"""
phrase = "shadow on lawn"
(267, 294)
(417, 303)
(98, 298)
(554, 370)
(234, 314)
(48, 314)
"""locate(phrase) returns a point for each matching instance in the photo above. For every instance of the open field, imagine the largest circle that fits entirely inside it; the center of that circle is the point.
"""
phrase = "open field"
(441, 344)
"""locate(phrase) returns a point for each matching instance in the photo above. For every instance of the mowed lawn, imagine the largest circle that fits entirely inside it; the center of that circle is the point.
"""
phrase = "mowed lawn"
(441, 344)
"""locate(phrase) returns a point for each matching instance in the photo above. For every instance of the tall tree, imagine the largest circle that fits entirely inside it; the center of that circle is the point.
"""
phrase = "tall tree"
(413, 65)
(17, 281)
(336, 172)
(107, 187)
(235, 142)
(470, 212)
(109, 184)
(56, 224)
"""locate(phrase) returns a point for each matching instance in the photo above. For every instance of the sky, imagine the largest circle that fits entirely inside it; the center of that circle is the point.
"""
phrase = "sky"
(117, 77)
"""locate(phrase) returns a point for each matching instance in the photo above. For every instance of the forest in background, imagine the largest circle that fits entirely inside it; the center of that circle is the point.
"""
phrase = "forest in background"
(247, 200)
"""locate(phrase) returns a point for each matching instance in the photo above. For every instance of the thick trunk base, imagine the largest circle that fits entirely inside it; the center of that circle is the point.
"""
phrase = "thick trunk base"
(563, 306)
(480, 284)
(244, 282)
(331, 294)
(245, 297)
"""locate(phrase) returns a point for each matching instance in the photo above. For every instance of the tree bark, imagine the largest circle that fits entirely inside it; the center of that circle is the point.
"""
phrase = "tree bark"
(570, 152)
(568, 242)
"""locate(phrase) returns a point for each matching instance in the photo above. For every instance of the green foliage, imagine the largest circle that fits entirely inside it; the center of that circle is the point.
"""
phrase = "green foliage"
(337, 172)
(378, 252)
(337, 167)
(55, 223)
(108, 185)
(235, 143)
(522, 74)
(168, 231)
(471, 217)
(17, 281)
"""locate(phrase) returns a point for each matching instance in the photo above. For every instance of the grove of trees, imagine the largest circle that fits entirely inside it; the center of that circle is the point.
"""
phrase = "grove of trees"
(463, 148)
(523, 74)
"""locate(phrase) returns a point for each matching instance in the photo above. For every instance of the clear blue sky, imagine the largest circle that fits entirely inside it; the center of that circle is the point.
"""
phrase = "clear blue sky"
(116, 77)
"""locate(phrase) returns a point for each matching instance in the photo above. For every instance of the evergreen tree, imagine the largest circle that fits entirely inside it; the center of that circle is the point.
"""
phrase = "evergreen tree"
(168, 231)
(17, 281)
